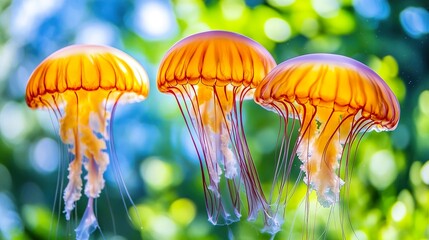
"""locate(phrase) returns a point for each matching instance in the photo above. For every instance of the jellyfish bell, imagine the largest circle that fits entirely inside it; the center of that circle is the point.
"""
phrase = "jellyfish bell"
(82, 85)
(211, 74)
(333, 98)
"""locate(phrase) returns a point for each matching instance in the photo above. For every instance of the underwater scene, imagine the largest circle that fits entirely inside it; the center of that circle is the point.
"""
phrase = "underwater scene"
(206, 119)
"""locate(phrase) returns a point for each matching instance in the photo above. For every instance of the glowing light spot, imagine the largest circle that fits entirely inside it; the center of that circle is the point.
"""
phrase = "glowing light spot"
(424, 173)
(415, 21)
(309, 27)
(389, 232)
(163, 227)
(27, 15)
(13, 124)
(382, 169)
(183, 211)
(415, 178)
(399, 211)
(361, 235)
(277, 29)
(9, 218)
(97, 33)
(388, 69)
(37, 218)
(142, 210)
(280, 3)
(267, 140)
(342, 22)
(232, 10)
(45, 155)
(154, 20)
(156, 173)
(423, 100)
(326, 8)
(376, 9)
(188, 11)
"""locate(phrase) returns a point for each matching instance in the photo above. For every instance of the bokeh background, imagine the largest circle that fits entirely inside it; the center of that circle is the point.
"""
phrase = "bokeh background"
(389, 197)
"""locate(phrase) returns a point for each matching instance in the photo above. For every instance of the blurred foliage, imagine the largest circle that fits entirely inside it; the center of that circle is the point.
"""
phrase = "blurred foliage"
(389, 191)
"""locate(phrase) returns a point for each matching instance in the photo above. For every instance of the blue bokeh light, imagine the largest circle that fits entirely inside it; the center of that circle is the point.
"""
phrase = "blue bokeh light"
(154, 20)
(415, 21)
(374, 9)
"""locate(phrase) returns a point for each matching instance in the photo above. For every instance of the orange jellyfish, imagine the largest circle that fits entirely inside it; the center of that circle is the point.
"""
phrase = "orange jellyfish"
(211, 74)
(82, 85)
(333, 98)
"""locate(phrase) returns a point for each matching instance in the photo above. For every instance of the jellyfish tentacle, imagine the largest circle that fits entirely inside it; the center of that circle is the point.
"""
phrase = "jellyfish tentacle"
(286, 154)
(76, 83)
(192, 117)
(56, 208)
(256, 200)
(109, 110)
(235, 134)
(222, 157)
(337, 99)
(89, 222)
(282, 144)
(69, 134)
(348, 136)
(212, 124)
(232, 165)
(214, 72)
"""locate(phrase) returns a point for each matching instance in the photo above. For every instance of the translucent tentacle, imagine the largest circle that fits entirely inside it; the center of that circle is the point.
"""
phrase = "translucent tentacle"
(88, 224)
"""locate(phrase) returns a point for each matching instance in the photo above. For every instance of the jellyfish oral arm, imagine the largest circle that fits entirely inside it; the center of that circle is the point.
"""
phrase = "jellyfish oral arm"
(69, 135)
(72, 192)
(89, 222)
(230, 163)
(321, 133)
(83, 128)
(215, 115)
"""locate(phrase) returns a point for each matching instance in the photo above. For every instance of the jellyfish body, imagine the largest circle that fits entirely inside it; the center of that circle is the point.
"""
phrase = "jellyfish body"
(82, 85)
(332, 98)
(211, 74)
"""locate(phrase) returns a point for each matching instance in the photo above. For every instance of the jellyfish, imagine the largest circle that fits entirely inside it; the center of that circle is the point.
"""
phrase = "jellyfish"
(211, 74)
(327, 100)
(82, 85)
